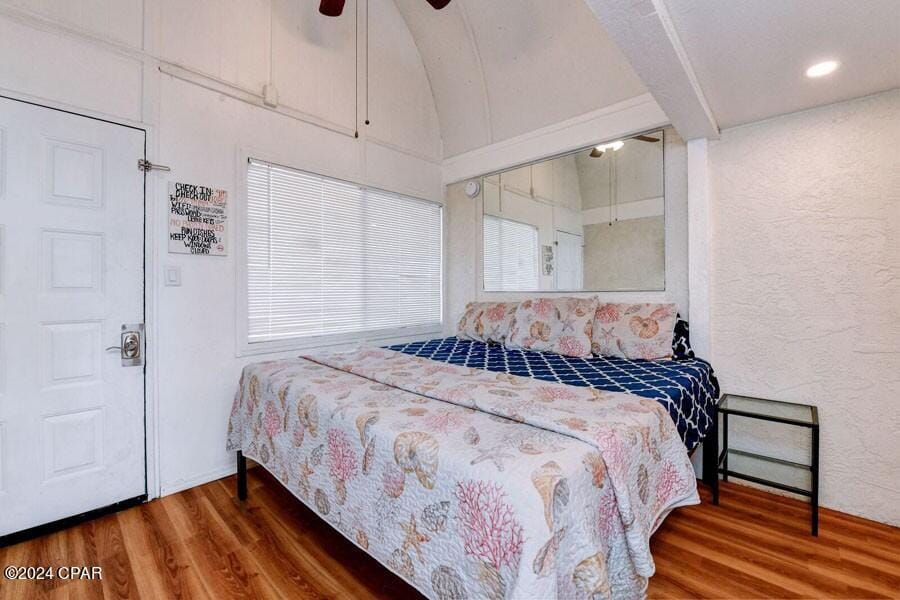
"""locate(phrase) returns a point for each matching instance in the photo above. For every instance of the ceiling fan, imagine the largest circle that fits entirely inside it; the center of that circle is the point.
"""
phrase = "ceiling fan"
(597, 151)
(334, 8)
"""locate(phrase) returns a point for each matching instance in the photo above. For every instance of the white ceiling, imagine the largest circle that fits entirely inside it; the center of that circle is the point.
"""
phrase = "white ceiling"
(750, 56)
(501, 68)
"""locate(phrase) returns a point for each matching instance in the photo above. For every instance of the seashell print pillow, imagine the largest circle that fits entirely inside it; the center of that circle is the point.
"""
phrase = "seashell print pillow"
(560, 325)
(487, 322)
(635, 331)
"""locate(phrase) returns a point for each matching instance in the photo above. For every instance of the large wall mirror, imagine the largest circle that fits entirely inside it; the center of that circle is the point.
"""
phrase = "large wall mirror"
(592, 220)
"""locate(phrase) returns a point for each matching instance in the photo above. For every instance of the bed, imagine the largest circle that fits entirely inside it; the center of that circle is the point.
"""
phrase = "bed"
(469, 482)
(685, 385)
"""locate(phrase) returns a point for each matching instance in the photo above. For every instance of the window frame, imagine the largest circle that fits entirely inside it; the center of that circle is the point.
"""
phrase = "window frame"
(240, 219)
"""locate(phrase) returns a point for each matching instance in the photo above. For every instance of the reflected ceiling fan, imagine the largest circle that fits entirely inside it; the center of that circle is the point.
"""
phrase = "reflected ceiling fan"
(334, 8)
(598, 151)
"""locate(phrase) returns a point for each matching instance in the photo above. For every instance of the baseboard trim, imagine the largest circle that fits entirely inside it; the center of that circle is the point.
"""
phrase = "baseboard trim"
(186, 484)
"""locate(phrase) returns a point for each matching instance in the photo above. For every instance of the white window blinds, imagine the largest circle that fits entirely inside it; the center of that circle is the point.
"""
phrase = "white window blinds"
(326, 257)
(511, 258)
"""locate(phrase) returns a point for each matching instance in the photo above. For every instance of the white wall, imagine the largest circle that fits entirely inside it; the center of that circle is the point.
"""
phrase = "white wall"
(193, 73)
(805, 287)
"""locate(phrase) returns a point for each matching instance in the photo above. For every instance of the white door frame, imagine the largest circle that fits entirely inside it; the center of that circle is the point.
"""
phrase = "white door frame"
(151, 263)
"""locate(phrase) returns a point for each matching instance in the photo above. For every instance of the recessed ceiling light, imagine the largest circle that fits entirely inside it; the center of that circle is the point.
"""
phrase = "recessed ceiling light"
(821, 69)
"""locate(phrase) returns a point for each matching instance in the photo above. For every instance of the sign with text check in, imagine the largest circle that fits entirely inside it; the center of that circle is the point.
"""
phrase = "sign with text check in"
(198, 217)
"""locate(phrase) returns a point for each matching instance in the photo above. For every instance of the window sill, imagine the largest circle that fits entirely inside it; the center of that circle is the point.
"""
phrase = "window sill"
(341, 341)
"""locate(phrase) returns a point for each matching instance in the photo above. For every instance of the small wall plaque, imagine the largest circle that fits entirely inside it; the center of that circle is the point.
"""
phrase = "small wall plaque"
(198, 218)
(547, 255)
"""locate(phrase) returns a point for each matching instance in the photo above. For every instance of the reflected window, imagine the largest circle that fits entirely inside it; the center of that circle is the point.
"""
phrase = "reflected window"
(511, 255)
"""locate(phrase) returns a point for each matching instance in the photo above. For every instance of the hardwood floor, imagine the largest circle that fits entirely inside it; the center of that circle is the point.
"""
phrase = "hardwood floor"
(202, 543)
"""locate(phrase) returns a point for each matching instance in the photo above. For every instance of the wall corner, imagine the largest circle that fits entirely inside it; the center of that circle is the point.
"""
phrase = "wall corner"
(699, 246)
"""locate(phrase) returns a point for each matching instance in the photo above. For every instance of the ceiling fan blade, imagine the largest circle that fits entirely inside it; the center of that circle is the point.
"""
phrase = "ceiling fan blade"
(596, 153)
(438, 4)
(646, 138)
(331, 8)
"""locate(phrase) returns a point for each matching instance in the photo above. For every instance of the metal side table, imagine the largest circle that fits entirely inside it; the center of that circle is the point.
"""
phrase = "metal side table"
(794, 477)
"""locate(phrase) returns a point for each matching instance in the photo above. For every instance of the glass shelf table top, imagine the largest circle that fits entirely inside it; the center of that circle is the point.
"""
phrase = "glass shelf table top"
(772, 409)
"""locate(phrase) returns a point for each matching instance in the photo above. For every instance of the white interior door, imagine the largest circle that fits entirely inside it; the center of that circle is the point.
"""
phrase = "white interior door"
(71, 274)
(569, 261)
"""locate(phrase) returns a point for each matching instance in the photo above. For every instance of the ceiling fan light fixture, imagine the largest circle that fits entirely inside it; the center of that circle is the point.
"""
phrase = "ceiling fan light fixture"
(614, 146)
(438, 4)
(331, 8)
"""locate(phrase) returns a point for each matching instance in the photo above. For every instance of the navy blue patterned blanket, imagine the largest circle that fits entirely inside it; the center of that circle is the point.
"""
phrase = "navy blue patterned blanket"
(686, 387)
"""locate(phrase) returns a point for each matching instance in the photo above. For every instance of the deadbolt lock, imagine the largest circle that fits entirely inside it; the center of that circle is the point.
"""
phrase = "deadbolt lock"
(131, 346)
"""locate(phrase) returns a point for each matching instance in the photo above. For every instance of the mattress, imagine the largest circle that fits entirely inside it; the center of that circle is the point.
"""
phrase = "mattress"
(687, 387)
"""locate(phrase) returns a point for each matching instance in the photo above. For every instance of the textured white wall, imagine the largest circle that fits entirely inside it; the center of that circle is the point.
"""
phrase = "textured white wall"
(805, 287)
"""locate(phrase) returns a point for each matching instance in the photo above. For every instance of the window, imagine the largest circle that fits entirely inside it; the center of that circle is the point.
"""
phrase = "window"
(330, 258)
(510, 255)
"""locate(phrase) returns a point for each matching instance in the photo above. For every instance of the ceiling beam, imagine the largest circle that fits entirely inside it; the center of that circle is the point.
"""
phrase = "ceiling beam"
(620, 120)
(646, 36)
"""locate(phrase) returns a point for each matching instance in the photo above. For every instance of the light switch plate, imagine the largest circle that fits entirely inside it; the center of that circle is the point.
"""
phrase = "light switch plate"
(173, 276)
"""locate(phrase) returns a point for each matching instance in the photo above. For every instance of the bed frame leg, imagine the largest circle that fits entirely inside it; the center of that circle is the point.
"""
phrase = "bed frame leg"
(241, 476)
(711, 457)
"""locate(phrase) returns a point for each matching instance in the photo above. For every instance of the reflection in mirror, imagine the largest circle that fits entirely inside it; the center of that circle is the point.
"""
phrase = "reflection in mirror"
(593, 220)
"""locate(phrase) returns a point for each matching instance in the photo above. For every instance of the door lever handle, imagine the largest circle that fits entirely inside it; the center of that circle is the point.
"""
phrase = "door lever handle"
(130, 348)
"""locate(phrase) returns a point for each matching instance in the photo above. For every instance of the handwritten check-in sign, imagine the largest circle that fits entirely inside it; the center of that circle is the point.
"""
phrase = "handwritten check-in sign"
(198, 217)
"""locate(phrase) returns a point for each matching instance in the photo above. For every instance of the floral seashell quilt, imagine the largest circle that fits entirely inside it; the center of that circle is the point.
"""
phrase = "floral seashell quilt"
(469, 483)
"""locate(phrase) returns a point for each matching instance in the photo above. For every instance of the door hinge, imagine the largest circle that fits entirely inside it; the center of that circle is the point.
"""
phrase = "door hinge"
(145, 166)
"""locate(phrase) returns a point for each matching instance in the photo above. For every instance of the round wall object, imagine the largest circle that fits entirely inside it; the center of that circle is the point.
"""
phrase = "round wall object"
(473, 186)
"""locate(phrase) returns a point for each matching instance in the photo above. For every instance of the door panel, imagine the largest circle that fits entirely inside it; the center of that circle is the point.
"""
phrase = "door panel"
(569, 261)
(71, 273)
(74, 174)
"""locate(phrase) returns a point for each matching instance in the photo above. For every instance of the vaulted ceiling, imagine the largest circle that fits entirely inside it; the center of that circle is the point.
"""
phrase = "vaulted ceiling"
(501, 68)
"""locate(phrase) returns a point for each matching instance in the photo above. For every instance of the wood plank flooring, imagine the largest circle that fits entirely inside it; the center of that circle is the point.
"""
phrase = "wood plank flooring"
(202, 543)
